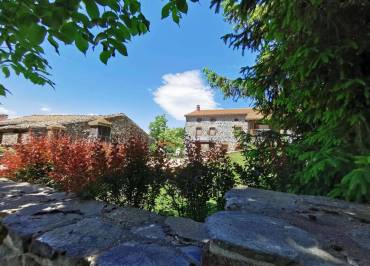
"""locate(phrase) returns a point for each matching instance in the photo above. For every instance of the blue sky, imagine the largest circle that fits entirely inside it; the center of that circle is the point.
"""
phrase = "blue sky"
(160, 75)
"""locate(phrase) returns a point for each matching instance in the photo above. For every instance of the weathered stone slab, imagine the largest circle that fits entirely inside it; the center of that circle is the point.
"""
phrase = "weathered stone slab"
(152, 231)
(85, 238)
(136, 254)
(187, 229)
(339, 227)
(275, 203)
(258, 239)
(129, 217)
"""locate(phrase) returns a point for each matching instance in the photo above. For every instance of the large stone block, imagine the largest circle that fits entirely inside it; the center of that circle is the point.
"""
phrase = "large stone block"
(258, 223)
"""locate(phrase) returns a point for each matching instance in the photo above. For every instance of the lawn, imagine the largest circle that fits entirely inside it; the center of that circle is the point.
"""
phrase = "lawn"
(236, 157)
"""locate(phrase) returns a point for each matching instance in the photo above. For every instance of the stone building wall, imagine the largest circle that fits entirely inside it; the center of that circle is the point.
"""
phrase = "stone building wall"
(121, 128)
(9, 138)
(225, 127)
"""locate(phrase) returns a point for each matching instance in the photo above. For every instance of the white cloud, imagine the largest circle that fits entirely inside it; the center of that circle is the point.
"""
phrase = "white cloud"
(45, 109)
(8, 112)
(181, 92)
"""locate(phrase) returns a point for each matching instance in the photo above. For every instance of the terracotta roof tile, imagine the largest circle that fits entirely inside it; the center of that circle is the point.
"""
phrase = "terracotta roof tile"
(250, 113)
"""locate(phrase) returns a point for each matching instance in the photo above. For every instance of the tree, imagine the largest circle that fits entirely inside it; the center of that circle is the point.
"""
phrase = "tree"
(158, 127)
(26, 25)
(174, 139)
(311, 76)
(168, 138)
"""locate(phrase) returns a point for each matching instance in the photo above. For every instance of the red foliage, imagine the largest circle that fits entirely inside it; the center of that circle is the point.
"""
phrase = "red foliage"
(34, 152)
(75, 162)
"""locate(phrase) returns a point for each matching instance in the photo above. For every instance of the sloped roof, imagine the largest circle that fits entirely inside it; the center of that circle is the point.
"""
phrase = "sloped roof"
(101, 121)
(44, 121)
(250, 113)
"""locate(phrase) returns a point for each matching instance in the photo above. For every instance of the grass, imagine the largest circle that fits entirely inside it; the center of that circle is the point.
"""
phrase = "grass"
(236, 157)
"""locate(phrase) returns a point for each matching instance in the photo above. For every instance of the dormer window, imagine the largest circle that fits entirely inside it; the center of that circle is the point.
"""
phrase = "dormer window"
(100, 129)
(104, 133)
(55, 130)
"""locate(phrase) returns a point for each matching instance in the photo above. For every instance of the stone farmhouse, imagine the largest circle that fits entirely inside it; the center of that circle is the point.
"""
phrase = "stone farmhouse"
(104, 127)
(218, 126)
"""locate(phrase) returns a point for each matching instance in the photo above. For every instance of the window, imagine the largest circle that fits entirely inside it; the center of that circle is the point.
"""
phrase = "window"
(103, 133)
(19, 137)
(236, 119)
(212, 131)
(213, 119)
(198, 131)
(211, 145)
(199, 119)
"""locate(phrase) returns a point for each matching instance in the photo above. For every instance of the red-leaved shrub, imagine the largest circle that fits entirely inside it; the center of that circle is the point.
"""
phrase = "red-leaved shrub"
(29, 161)
(76, 162)
(70, 163)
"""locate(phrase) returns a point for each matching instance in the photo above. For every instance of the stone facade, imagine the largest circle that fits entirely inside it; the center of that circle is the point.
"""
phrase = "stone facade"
(218, 126)
(117, 126)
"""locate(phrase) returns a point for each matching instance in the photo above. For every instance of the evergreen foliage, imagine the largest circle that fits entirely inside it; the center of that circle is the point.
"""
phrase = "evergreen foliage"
(311, 77)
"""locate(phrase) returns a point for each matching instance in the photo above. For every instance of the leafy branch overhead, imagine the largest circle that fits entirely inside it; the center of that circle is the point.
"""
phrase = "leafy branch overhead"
(26, 25)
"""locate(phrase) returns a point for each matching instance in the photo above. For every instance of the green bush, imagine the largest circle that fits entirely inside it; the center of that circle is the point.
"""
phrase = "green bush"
(267, 163)
(205, 176)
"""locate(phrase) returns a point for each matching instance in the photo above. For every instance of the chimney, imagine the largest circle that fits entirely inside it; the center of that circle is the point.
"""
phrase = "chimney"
(3, 117)
(198, 107)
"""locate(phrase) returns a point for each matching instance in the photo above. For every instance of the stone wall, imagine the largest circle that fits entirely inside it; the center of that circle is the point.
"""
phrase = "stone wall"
(9, 138)
(121, 128)
(272, 228)
(39, 226)
(224, 129)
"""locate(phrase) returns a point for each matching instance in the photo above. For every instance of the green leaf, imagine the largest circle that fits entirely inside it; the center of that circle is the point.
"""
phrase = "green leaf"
(92, 8)
(36, 34)
(54, 43)
(6, 71)
(121, 48)
(102, 2)
(81, 43)
(142, 28)
(69, 31)
(104, 56)
(182, 6)
(114, 5)
(134, 6)
(3, 90)
(166, 10)
(175, 16)
(122, 33)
